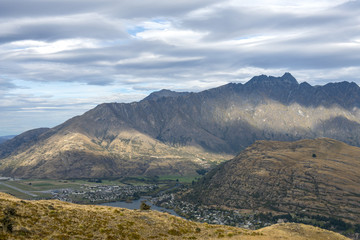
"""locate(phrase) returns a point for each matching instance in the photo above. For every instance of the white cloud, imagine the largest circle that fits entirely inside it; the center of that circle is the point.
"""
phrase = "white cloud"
(152, 58)
(307, 6)
(172, 36)
(156, 25)
(166, 32)
(42, 47)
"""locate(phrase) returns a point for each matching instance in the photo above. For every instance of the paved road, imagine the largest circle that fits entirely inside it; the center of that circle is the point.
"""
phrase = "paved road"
(18, 189)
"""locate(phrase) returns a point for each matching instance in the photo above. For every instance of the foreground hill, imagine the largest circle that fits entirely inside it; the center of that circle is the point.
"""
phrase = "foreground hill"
(59, 220)
(309, 177)
(178, 133)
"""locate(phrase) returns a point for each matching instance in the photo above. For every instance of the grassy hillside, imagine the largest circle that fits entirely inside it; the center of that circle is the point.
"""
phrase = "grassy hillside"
(312, 177)
(22, 219)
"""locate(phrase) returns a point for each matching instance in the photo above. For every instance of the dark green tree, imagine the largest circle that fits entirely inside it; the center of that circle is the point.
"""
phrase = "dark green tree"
(144, 206)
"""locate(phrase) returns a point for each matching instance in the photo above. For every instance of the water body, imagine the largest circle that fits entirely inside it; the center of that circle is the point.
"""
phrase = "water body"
(135, 204)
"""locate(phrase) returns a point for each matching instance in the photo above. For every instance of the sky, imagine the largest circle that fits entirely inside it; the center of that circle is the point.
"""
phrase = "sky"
(60, 58)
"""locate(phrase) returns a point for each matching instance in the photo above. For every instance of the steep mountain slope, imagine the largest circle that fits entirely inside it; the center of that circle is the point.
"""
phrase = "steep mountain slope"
(59, 220)
(126, 153)
(312, 177)
(186, 130)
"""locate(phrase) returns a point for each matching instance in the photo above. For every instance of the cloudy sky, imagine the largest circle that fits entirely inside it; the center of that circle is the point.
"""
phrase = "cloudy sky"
(59, 58)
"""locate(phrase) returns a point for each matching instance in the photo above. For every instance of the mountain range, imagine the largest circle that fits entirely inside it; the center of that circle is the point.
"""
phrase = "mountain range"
(178, 133)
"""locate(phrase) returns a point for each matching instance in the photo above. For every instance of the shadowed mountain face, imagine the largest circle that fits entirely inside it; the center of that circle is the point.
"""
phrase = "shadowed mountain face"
(176, 133)
(313, 177)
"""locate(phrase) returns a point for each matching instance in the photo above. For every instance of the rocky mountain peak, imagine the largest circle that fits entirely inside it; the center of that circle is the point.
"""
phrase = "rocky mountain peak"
(287, 77)
(164, 93)
(265, 81)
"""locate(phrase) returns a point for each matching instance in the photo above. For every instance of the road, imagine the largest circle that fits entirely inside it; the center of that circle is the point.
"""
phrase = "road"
(18, 189)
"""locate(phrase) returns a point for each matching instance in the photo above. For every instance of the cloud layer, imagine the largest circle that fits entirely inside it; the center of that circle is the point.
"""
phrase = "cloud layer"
(60, 58)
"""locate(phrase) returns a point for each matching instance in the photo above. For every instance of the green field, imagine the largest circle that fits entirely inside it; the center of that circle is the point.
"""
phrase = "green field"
(13, 192)
(36, 187)
(26, 187)
(181, 179)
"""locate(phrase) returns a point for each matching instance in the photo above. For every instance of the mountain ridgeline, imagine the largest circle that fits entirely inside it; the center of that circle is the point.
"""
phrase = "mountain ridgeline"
(177, 133)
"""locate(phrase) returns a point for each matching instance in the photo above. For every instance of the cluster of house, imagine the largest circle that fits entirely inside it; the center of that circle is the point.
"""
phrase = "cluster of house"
(208, 214)
(101, 193)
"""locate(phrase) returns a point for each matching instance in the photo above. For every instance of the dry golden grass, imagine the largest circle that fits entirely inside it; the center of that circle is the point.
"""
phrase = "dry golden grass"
(52, 219)
(318, 176)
